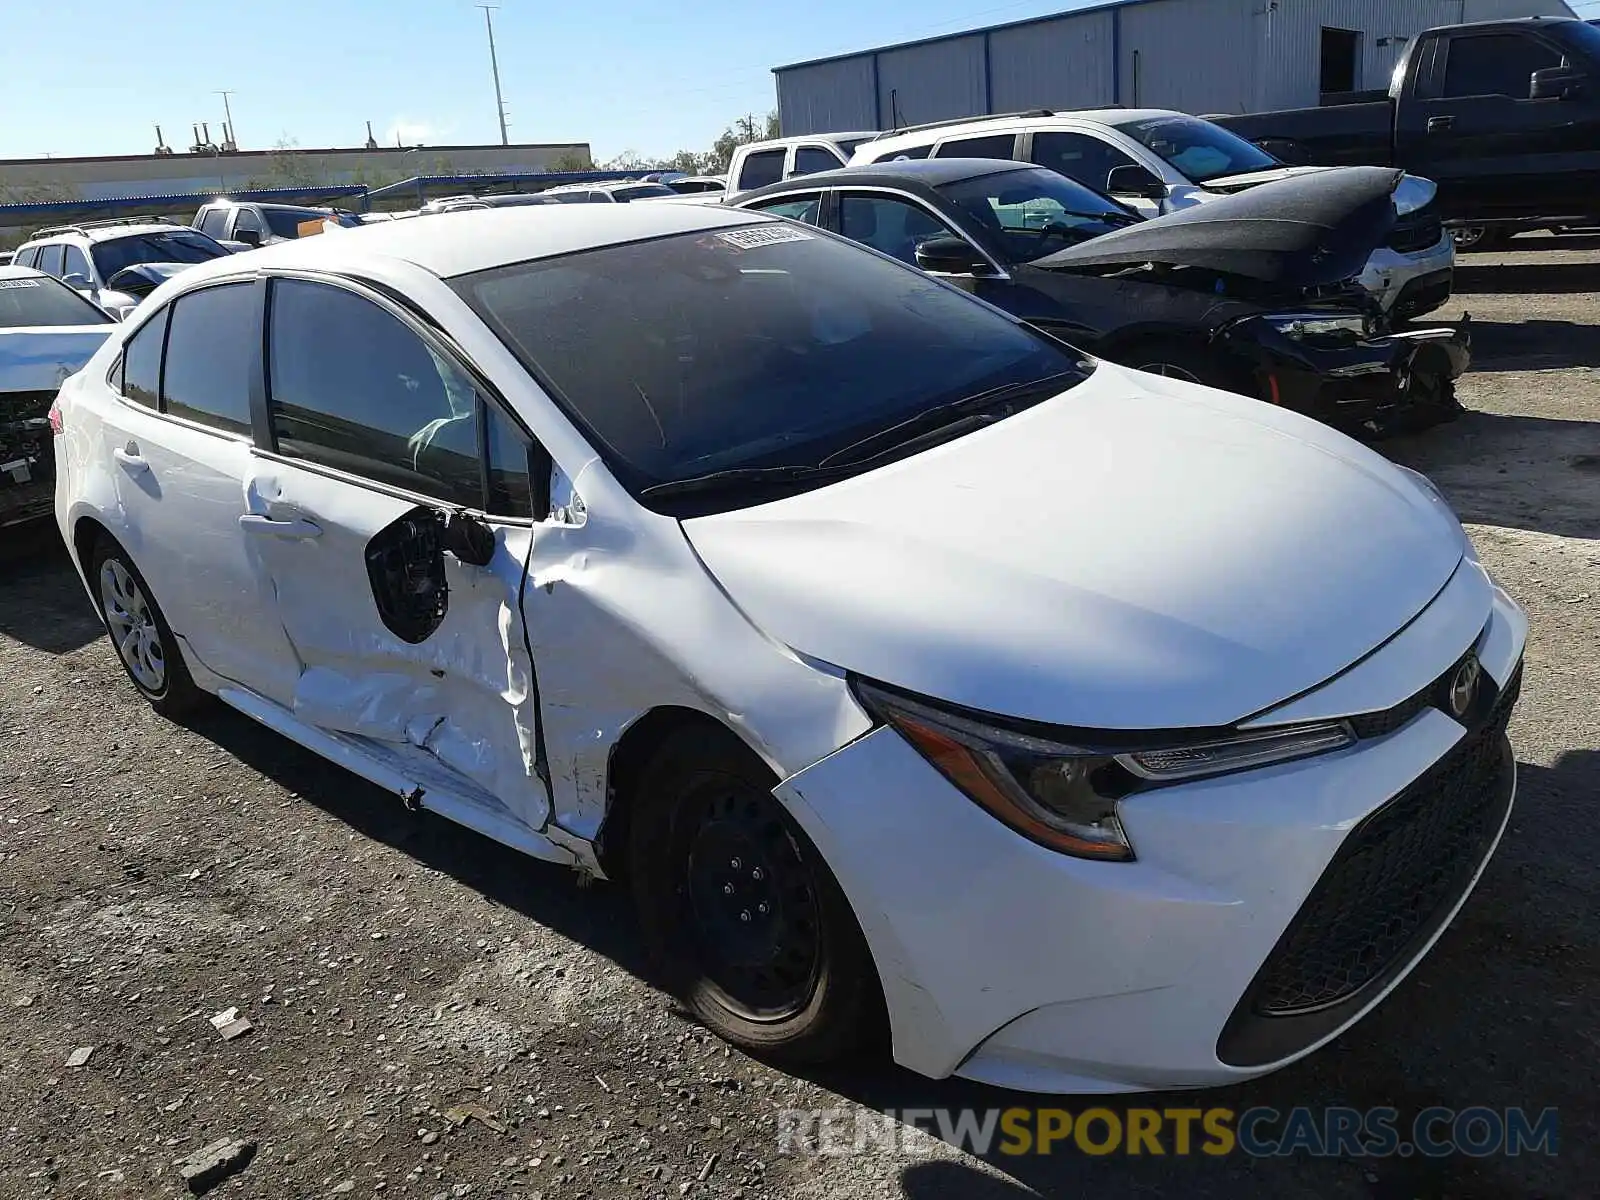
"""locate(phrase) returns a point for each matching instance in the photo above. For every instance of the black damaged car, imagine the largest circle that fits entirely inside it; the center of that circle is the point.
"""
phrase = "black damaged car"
(1253, 293)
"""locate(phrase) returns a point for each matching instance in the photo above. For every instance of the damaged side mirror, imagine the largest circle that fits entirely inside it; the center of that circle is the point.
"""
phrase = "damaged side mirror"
(405, 568)
(469, 538)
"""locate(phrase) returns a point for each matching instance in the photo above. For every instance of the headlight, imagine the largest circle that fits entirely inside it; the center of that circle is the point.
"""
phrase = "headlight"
(1063, 795)
(1301, 326)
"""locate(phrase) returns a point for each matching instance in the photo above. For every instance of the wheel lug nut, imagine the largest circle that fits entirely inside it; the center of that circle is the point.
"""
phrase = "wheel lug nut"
(762, 908)
(727, 889)
(735, 864)
(745, 915)
(756, 875)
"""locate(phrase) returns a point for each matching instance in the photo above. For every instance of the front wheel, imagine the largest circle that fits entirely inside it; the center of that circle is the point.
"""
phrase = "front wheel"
(1176, 360)
(749, 926)
(1477, 239)
(144, 642)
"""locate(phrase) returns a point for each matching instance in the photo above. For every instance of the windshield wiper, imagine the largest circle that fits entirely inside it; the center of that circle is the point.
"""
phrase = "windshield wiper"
(955, 417)
(717, 481)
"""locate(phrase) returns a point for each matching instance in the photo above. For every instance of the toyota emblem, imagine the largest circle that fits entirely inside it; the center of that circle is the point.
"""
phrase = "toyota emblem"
(1464, 687)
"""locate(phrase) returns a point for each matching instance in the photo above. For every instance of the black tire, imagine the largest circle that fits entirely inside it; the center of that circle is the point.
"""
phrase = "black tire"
(708, 846)
(173, 694)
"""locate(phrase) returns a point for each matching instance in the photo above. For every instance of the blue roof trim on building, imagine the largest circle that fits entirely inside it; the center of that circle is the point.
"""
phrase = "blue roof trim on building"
(1105, 6)
(22, 213)
(419, 184)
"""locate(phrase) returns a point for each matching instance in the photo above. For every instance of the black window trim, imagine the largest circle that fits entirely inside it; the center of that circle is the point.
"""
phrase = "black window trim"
(765, 203)
(254, 280)
(433, 334)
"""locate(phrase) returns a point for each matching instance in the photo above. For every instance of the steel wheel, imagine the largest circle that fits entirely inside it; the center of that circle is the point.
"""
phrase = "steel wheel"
(132, 623)
(751, 906)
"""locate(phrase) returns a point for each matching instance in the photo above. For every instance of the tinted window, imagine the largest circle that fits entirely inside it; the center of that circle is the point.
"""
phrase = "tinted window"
(510, 485)
(896, 227)
(50, 258)
(1031, 212)
(808, 160)
(796, 208)
(351, 386)
(1497, 64)
(285, 222)
(911, 152)
(215, 222)
(572, 197)
(995, 145)
(28, 257)
(211, 350)
(74, 262)
(40, 301)
(246, 219)
(1198, 149)
(1079, 156)
(141, 360)
(644, 190)
(761, 168)
(847, 146)
(190, 246)
(761, 345)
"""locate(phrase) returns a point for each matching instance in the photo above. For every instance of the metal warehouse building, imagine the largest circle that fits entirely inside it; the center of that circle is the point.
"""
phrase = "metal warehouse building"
(1200, 56)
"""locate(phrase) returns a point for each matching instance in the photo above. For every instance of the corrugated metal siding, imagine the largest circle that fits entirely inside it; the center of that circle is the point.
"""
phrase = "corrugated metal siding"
(1195, 55)
(828, 96)
(931, 82)
(1055, 64)
(1493, 10)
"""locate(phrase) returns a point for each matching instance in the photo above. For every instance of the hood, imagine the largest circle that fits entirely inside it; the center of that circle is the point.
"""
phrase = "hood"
(1250, 179)
(1137, 553)
(39, 358)
(1309, 230)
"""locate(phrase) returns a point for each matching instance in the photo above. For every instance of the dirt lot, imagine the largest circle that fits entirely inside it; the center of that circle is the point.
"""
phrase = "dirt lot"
(395, 967)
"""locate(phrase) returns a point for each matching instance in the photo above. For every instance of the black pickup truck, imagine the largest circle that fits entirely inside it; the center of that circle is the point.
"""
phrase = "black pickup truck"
(1503, 115)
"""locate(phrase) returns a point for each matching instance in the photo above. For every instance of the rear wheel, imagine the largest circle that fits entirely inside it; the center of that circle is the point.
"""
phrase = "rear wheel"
(1478, 239)
(144, 643)
(748, 924)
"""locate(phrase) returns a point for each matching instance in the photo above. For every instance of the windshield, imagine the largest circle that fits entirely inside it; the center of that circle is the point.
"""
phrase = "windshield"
(44, 301)
(623, 195)
(1031, 212)
(763, 345)
(1580, 36)
(285, 222)
(180, 247)
(1199, 149)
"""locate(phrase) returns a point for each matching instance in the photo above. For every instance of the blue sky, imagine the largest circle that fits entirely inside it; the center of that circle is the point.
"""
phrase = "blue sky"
(620, 74)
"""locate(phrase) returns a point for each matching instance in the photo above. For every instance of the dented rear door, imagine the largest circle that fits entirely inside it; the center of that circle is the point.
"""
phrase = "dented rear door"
(400, 597)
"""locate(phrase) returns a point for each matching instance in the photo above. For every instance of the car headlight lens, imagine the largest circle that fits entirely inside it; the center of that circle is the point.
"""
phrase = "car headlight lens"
(1063, 795)
(1311, 326)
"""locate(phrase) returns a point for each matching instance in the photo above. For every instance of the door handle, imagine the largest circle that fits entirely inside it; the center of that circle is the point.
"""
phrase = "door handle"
(295, 527)
(130, 459)
(1435, 124)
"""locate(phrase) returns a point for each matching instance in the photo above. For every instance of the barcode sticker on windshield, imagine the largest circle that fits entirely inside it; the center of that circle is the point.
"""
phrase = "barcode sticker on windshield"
(764, 235)
(12, 284)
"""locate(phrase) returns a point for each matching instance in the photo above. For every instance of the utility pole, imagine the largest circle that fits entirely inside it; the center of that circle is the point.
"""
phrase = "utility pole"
(227, 113)
(494, 67)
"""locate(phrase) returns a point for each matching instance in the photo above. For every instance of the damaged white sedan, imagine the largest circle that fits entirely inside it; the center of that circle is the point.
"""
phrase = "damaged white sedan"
(1091, 731)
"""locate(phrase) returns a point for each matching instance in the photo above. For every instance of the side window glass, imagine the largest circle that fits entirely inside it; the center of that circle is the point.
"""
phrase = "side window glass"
(1079, 156)
(910, 152)
(211, 348)
(351, 386)
(214, 222)
(76, 262)
(246, 219)
(28, 257)
(760, 169)
(50, 259)
(1498, 64)
(893, 226)
(808, 160)
(141, 361)
(800, 208)
(510, 484)
(995, 145)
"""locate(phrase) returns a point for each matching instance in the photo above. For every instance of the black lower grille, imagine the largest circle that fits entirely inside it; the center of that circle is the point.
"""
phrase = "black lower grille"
(1389, 887)
(1414, 233)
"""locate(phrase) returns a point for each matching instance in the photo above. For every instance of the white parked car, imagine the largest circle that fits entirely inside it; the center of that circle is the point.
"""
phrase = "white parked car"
(47, 331)
(1157, 161)
(91, 257)
(1104, 731)
(757, 164)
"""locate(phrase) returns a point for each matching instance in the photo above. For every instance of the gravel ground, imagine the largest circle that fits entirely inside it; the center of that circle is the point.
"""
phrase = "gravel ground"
(434, 1016)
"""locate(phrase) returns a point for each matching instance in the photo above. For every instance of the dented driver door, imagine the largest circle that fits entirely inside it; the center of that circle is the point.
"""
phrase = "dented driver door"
(402, 600)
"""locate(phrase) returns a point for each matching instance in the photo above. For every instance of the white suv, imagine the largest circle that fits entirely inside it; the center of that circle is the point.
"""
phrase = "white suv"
(1101, 731)
(88, 257)
(1158, 161)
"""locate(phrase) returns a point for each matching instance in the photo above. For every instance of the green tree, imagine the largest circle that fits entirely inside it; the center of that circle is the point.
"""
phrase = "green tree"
(570, 160)
(286, 167)
(745, 130)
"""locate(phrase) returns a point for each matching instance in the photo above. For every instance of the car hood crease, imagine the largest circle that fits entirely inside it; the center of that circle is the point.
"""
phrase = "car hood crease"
(1137, 553)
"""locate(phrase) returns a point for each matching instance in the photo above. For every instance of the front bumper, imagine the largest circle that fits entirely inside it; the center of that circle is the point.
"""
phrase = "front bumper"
(1369, 386)
(1006, 963)
(1393, 276)
(27, 457)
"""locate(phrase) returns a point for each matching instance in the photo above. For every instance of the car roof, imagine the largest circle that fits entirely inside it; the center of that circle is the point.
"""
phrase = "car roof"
(10, 272)
(108, 233)
(948, 129)
(480, 239)
(774, 143)
(927, 172)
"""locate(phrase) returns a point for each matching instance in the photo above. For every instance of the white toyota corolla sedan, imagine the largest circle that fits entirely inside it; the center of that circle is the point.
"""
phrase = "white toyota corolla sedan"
(1092, 730)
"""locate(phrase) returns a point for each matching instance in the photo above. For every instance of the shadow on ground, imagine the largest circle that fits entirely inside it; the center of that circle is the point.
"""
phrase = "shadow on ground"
(1533, 345)
(41, 602)
(1524, 275)
(1534, 473)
